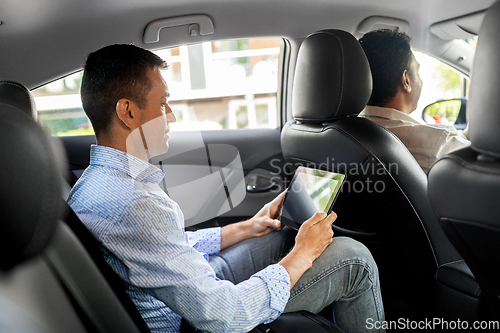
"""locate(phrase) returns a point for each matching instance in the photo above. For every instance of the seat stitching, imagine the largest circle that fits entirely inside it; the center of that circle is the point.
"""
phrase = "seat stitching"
(477, 291)
(342, 75)
(446, 263)
(468, 165)
(450, 263)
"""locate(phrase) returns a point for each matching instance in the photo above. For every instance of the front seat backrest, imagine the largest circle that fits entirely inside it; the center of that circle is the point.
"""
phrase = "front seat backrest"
(464, 186)
(384, 201)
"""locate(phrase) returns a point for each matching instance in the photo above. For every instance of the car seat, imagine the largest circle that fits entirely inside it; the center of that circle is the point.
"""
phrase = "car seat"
(384, 201)
(464, 186)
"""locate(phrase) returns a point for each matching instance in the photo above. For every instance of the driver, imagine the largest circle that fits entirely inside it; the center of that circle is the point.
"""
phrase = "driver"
(396, 91)
(218, 279)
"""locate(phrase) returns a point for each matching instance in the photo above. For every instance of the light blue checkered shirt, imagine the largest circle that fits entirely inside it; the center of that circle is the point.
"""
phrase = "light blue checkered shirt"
(165, 268)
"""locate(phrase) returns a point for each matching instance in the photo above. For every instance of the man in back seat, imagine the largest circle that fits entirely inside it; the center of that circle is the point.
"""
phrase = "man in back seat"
(218, 279)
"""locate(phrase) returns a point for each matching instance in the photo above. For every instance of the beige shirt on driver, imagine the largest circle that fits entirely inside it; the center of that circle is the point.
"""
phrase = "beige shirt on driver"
(426, 142)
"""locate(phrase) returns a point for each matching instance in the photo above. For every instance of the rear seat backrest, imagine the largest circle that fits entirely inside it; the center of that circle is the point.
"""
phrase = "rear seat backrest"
(60, 288)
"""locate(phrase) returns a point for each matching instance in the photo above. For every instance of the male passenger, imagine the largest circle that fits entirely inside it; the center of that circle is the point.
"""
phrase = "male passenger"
(396, 91)
(218, 279)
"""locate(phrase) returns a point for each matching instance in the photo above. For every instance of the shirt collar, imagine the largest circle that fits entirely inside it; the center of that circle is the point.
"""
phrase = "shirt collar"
(387, 113)
(136, 168)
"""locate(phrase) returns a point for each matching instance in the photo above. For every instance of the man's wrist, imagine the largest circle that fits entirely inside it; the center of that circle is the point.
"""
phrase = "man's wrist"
(296, 263)
(247, 228)
(300, 259)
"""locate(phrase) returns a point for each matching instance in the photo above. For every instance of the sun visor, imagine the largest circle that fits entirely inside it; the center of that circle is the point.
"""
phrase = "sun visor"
(459, 28)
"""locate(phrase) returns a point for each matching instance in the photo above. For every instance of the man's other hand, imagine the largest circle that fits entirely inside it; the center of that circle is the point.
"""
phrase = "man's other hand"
(312, 239)
(315, 235)
(261, 224)
(267, 219)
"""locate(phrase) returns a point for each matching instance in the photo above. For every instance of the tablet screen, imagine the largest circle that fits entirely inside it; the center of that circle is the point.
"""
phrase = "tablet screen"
(310, 191)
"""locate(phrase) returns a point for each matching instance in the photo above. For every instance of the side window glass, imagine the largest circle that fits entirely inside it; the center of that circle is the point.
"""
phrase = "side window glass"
(228, 84)
(440, 82)
(60, 107)
(224, 84)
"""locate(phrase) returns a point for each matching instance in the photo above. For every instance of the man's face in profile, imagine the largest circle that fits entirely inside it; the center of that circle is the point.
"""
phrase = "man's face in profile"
(416, 81)
(156, 117)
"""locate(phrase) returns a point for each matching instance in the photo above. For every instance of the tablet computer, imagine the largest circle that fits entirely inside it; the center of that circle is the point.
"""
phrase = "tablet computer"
(310, 191)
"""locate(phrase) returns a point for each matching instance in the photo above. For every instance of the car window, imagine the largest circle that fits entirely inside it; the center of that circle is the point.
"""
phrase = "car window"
(227, 84)
(440, 81)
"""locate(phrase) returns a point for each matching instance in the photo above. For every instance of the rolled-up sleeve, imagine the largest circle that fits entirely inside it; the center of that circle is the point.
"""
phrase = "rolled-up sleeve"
(151, 242)
(451, 140)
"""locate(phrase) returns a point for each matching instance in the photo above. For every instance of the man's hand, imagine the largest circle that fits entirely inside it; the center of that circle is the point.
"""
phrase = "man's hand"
(261, 224)
(266, 220)
(315, 235)
(312, 239)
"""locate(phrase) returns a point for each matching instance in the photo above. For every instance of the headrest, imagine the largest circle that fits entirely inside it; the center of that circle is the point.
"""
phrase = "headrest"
(18, 96)
(332, 78)
(484, 100)
(31, 201)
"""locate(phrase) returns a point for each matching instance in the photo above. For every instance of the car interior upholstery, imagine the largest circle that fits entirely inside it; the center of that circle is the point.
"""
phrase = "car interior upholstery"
(34, 227)
(31, 207)
(467, 203)
(332, 85)
(434, 237)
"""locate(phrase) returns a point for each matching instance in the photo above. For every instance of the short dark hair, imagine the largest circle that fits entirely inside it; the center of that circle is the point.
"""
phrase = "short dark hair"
(112, 73)
(389, 54)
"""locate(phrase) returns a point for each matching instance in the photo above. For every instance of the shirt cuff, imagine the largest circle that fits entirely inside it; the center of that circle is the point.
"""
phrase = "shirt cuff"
(278, 283)
(205, 240)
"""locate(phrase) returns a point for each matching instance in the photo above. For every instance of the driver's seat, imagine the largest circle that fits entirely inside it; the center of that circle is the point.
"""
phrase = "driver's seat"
(384, 201)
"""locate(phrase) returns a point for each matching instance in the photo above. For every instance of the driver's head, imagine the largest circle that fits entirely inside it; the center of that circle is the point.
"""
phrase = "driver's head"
(393, 66)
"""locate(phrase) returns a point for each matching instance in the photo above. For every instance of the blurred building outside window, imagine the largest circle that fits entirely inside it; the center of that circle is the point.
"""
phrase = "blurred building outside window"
(213, 85)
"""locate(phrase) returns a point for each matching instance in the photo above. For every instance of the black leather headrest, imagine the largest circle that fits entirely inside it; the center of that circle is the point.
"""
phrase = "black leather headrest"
(484, 99)
(31, 203)
(332, 78)
(18, 96)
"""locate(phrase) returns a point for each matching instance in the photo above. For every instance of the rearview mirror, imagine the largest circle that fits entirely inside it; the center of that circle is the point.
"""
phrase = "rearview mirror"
(447, 112)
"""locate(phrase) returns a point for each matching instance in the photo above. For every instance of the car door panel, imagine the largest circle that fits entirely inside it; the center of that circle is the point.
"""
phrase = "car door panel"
(209, 178)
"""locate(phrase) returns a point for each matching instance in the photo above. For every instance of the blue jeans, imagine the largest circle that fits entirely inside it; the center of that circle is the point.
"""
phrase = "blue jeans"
(345, 275)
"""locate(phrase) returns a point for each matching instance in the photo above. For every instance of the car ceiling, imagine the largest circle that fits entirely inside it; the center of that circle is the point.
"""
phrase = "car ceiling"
(41, 40)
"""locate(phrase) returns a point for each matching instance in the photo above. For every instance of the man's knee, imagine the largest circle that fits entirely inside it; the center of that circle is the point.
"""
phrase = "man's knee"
(351, 250)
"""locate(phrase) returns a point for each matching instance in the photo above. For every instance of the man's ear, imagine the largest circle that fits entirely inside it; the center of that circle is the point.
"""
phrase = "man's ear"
(406, 81)
(125, 110)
